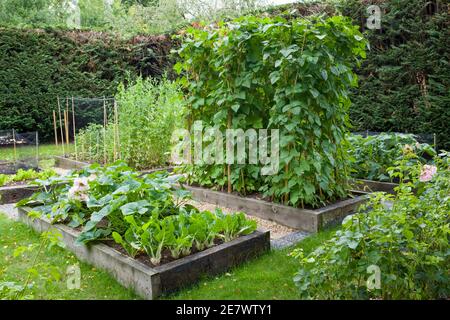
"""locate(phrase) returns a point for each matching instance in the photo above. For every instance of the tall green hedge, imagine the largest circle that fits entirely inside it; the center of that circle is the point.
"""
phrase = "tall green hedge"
(405, 81)
(37, 66)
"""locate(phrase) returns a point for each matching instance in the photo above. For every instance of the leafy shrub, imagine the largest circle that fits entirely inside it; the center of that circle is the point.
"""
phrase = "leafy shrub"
(405, 79)
(374, 155)
(272, 73)
(142, 214)
(408, 241)
(148, 114)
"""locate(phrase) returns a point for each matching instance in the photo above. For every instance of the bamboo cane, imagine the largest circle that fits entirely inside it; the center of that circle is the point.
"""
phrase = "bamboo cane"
(55, 128)
(61, 126)
(229, 165)
(14, 142)
(105, 121)
(74, 130)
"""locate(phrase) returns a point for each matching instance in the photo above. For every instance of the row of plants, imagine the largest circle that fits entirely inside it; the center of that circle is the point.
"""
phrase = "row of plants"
(146, 215)
(372, 156)
(271, 73)
(148, 113)
(25, 175)
(396, 251)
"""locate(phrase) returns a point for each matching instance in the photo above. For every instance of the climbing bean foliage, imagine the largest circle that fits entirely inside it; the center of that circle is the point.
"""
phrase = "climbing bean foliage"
(277, 74)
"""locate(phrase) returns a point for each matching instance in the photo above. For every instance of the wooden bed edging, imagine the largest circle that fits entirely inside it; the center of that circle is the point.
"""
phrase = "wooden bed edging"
(13, 194)
(152, 282)
(374, 186)
(302, 219)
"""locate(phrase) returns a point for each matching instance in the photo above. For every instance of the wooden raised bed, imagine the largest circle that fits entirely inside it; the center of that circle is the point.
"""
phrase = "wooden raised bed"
(302, 219)
(13, 194)
(151, 282)
(69, 164)
(374, 186)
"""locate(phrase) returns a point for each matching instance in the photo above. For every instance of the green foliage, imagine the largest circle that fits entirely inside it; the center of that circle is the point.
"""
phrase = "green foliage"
(26, 175)
(272, 73)
(408, 241)
(405, 79)
(38, 269)
(374, 155)
(38, 66)
(141, 213)
(148, 112)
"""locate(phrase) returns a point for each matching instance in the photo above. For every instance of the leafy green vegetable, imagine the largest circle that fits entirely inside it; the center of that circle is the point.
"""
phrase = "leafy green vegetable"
(144, 214)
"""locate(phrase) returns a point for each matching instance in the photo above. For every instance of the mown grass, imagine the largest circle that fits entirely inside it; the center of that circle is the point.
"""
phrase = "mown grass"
(45, 150)
(95, 284)
(267, 277)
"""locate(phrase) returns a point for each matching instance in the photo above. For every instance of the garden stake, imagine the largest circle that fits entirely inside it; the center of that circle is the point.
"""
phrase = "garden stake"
(104, 131)
(61, 126)
(54, 127)
(74, 129)
(14, 142)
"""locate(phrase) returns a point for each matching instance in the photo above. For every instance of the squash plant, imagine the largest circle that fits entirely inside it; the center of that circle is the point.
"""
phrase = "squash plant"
(143, 214)
(294, 76)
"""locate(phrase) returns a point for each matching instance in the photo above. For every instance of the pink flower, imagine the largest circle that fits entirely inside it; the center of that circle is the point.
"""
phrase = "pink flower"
(79, 189)
(427, 173)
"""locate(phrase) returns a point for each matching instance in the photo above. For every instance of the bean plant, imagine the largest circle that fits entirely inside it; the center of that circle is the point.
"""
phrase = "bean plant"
(373, 155)
(295, 75)
(148, 112)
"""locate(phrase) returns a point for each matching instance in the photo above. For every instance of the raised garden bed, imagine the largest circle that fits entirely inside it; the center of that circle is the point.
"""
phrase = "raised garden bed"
(15, 193)
(374, 186)
(302, 219)
(69, 164)
(151, 282)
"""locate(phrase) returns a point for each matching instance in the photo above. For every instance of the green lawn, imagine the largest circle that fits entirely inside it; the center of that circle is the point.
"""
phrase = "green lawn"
(45, 150)
(268, 277)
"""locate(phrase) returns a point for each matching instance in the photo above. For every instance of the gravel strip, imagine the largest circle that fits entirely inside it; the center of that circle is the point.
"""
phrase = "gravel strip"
(277, 231)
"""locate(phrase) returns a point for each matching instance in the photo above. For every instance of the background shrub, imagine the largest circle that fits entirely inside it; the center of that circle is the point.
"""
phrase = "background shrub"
(36, 66)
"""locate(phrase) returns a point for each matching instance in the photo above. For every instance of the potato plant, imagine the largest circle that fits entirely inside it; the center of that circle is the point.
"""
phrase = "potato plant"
(144, 214)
